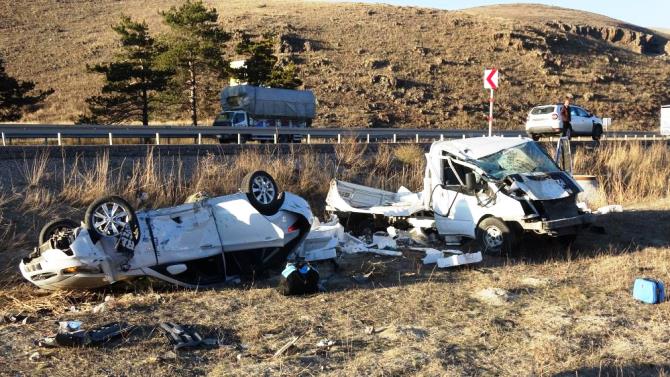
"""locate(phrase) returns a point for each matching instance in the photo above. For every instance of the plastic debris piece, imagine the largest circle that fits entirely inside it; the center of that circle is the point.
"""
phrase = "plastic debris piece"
(392, 231)
(323, 343)
(286, 346)
(613, 208)
(181, 337)
(382, 241)
(432, 256)
(458, 260)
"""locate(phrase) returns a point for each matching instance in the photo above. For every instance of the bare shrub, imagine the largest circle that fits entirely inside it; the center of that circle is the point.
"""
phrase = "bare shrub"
(350, 157)
(34, 172)
(628, 171)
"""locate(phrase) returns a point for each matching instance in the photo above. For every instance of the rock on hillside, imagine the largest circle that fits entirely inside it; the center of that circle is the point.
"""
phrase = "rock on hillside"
(376, 65)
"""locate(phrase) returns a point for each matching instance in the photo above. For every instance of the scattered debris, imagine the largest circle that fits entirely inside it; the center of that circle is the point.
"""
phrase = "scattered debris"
(383, 242)
(353, 245)
(612, 208)
(494, 296)
(459, 260)
(324, 343)
(70, 334)
(18, 318)
(286, 346)
(432, 256)
(181, 337)
(35, 356)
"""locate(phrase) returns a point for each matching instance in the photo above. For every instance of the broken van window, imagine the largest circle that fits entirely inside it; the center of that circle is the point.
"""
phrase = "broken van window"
(524, 158)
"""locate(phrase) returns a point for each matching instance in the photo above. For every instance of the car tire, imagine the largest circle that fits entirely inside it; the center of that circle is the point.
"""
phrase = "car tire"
(107, 216)
(597, 132)
(535, 137)
(52, 227)
(494, 236)
(262, 192)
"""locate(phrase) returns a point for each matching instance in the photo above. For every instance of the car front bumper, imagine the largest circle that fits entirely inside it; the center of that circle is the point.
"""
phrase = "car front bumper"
(559, 226)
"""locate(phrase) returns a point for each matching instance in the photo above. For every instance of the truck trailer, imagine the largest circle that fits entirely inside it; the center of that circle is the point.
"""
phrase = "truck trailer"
(245, 106)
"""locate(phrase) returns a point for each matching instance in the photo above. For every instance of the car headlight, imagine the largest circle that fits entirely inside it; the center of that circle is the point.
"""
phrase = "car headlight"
(81, 269)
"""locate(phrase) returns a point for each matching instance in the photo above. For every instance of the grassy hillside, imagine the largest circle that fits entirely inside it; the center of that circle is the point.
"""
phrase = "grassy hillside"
(377, 65)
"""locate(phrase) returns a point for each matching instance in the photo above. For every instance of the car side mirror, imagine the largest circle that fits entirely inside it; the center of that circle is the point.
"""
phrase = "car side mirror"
(470, 182)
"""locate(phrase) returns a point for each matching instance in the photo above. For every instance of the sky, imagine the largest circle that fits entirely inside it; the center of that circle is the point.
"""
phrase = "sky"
(647, 13)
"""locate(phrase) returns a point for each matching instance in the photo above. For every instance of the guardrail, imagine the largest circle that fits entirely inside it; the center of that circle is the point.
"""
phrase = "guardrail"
(158, 133)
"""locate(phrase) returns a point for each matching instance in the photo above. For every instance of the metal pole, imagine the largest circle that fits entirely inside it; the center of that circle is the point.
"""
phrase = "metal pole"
(3, 140)
(367, 139)
(158, 139)
(417, 138)
(394, 139)
(199, 138)
(275, 136)
(239, 138)
(59, 139)
(339, 138)
(110, 138)
(309, 139)
(442, 137)
(491, 114)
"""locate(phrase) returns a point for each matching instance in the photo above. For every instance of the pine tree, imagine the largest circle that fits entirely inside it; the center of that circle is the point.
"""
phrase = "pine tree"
(260, 66)
(195, 48)
(15, 96)
(131, 81)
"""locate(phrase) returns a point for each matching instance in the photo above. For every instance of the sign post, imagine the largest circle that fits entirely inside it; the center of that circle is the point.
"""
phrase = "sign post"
(491, 83)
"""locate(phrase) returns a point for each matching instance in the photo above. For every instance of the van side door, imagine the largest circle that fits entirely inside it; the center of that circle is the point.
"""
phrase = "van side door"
(451, 203)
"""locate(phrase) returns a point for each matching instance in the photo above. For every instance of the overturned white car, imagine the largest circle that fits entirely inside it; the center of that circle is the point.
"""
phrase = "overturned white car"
(488, 188)
(194, 244)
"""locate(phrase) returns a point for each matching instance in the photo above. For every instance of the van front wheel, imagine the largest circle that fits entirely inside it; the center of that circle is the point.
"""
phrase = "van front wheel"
(494, 236)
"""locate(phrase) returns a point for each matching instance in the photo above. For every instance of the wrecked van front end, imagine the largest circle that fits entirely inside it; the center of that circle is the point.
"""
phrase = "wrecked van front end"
(546, 194)
(549, 202)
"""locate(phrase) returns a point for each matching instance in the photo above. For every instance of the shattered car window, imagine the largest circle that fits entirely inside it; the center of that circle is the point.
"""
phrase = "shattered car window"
(524, 158)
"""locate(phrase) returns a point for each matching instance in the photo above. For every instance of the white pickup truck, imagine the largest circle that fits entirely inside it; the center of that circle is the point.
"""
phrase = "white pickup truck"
(489, 188)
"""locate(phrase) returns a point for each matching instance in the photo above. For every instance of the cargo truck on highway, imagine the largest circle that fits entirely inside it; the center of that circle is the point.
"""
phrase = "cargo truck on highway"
(245, 106)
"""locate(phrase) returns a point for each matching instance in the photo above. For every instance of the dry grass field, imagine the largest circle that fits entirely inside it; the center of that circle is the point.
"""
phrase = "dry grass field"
(565, 312)
(373, 65)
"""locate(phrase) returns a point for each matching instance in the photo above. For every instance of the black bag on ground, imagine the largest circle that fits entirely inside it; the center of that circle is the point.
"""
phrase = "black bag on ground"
(298, 279)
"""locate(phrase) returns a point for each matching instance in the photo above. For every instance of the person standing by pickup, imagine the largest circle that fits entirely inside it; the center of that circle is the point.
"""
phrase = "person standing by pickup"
(566, 118)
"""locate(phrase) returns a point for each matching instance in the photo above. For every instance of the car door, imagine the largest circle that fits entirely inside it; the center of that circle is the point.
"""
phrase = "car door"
(451, 203)
(583, 124)
(242, 227)
(575, 120)
(588, 121)
(182, 233)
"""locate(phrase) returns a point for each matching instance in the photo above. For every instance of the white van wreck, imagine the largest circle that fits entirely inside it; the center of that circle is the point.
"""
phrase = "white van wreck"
(489, 188)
